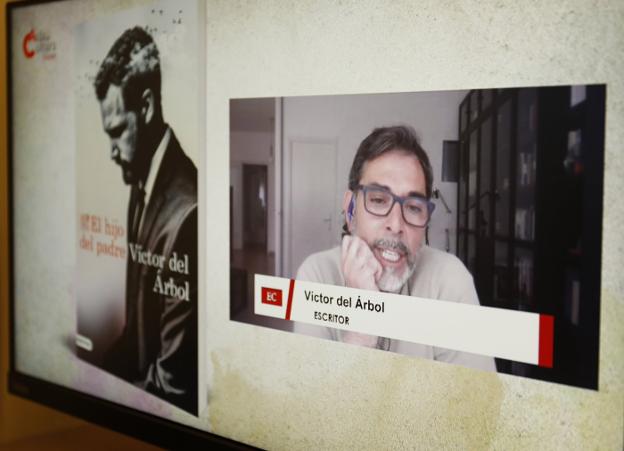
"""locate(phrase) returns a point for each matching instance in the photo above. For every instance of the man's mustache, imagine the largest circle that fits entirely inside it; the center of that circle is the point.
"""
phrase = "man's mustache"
(394, 245)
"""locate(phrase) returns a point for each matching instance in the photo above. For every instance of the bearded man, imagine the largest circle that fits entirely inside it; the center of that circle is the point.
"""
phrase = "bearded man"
(157, 349)
(387, 209)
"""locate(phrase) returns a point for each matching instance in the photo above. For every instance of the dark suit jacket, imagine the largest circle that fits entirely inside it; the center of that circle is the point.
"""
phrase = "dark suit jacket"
(157, 349)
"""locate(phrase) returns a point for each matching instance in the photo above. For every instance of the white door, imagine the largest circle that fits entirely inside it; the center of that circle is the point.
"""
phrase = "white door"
(313, 205)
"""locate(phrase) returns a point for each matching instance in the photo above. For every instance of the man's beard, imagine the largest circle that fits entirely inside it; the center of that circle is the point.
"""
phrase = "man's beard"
(392, 279)
(127, 173)
(134, 171)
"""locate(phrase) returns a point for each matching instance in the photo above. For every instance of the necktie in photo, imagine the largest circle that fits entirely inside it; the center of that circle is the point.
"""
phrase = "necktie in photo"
(138, 212)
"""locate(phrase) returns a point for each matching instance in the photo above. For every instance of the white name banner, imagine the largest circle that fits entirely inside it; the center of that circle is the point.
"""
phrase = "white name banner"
(508, 334)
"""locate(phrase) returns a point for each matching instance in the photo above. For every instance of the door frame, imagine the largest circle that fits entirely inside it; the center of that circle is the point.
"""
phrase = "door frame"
(246, 168)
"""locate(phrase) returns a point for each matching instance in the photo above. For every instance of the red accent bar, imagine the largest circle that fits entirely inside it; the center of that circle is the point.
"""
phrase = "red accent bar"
(291, 290)
(546, 340)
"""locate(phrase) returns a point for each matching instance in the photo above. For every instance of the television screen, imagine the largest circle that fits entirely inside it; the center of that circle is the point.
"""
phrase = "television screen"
(301, 225)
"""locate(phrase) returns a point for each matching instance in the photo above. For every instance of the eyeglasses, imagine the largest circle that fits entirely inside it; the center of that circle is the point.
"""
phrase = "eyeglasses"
(378, 201)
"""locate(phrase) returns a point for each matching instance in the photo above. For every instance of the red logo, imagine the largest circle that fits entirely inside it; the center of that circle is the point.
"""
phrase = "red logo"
(39, 45)
(271, 296)
(28, 39)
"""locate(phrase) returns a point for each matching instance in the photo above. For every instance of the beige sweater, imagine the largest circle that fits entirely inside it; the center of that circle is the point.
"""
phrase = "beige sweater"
(438, 275)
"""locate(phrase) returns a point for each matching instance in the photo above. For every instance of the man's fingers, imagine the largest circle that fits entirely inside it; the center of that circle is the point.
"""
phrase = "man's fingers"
(378, 271)
(346, 242)
(359, 265)
(359, 250)
(372, 264)
(365, 254)
(358, 256)
(354, 250)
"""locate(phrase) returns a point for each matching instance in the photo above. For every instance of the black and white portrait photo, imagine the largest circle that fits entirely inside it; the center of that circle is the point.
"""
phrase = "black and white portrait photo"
(137, 202)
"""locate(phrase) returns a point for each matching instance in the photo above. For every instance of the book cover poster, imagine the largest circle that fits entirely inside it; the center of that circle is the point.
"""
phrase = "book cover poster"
(137, 140)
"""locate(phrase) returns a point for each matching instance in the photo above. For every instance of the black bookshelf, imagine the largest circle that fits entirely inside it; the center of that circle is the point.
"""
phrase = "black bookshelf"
(530, 213)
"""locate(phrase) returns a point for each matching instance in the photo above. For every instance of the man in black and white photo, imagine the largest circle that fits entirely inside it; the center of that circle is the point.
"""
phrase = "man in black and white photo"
(157, 349)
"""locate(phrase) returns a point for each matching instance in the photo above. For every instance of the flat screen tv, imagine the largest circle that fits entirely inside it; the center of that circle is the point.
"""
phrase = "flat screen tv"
(336, 225)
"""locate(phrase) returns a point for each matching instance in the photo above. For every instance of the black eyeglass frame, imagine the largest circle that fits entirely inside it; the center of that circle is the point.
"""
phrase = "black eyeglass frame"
(401, 200)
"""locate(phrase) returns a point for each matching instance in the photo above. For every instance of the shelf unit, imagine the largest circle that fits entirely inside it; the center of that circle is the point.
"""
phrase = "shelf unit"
(530, 212)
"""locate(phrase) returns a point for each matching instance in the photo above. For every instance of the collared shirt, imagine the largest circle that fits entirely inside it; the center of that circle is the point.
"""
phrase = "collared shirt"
(148, 187)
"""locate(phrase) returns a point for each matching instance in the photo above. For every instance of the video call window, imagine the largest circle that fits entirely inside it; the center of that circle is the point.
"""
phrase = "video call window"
(516, 225)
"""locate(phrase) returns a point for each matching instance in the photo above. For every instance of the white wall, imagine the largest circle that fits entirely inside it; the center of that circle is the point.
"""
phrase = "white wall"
(251, 148)
(348, 119)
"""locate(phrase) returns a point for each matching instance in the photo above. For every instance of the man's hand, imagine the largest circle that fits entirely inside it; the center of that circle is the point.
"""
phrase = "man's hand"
(359, 266)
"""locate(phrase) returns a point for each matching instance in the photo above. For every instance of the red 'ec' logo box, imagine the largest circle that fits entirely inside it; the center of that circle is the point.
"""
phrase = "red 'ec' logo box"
(271, 296)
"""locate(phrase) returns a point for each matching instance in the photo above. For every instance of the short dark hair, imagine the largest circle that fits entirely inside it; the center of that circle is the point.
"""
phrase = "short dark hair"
(385, 139)
(133, 64)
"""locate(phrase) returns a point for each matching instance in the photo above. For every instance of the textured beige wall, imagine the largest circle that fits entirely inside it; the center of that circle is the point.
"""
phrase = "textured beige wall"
(285, 391)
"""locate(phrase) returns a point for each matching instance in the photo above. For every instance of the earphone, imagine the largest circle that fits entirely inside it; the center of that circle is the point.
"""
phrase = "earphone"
(350, 209)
